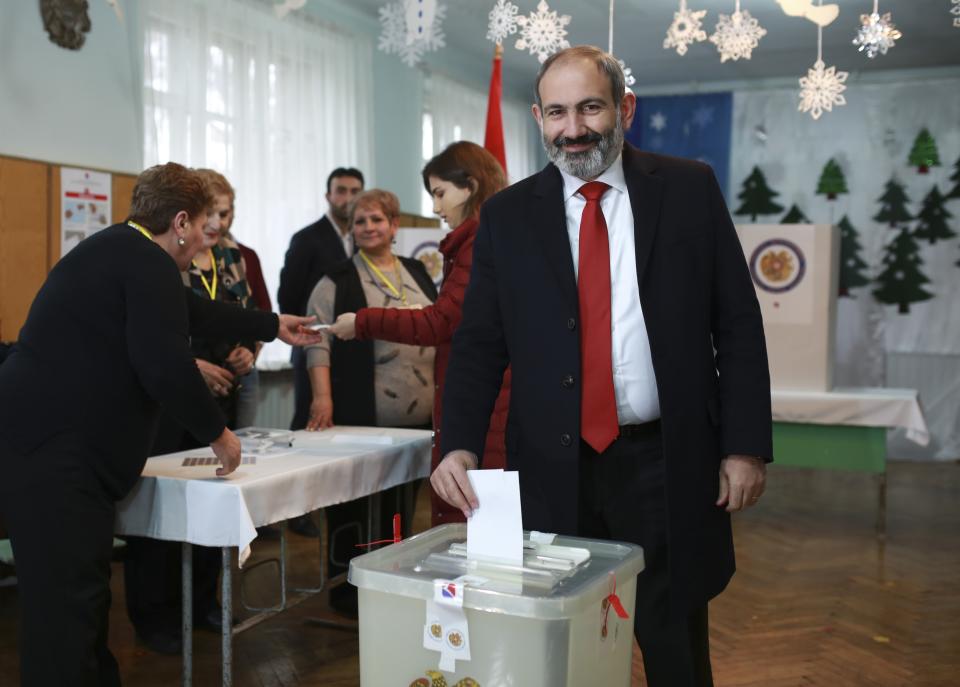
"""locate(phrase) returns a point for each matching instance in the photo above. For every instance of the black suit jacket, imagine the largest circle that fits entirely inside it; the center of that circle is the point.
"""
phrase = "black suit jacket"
(313, 251)
(706, 338)
(106, 342)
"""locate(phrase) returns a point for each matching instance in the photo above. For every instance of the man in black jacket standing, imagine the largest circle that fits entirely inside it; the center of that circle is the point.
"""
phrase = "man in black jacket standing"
(614, 285)
(313, 251)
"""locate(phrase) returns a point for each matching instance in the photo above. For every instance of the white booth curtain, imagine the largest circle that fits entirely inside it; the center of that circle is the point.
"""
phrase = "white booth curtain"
(870, 139)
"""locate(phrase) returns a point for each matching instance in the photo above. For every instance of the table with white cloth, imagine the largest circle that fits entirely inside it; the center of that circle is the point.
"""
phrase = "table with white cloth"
(845, 429)
(192, 505)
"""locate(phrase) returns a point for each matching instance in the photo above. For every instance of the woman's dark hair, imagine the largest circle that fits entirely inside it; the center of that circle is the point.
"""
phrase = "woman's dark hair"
(163, 191)
(464, 162)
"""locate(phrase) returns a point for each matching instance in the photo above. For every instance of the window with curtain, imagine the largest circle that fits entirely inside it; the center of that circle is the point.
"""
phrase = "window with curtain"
(274, 105)
(455, 112)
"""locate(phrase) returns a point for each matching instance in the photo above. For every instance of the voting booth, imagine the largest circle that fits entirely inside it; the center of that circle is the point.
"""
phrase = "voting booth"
(429, 615)
(795, 268)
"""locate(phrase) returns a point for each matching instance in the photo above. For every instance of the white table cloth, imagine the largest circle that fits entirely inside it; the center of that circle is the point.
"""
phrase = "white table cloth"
(854, 406)
(192, 504)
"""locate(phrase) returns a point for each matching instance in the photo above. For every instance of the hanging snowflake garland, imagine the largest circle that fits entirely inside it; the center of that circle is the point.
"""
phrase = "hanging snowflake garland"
(628, 78)
(503, 21)
(955, 11)
(542, 32)
(686, 29)
(821, 89)
(876, 34)
(393, 38)
(823, 86)
(737, 35)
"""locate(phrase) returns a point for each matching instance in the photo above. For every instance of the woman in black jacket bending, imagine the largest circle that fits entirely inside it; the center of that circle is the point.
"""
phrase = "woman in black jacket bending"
(104, 346)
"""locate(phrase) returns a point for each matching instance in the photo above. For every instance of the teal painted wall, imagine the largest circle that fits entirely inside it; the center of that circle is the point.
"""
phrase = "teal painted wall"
(68, 106)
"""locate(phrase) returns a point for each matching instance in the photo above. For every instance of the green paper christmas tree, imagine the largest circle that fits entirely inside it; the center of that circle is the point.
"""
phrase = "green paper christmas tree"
(901, 281)
(893, 205)
(933, 218)
(955, 178)
(794, 216)
(757, 197)
(851, 264)
(832, 182)
(924, 152)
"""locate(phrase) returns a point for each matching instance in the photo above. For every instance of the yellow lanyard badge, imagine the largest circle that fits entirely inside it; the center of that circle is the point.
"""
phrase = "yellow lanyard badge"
(211, 287)
(400, 294)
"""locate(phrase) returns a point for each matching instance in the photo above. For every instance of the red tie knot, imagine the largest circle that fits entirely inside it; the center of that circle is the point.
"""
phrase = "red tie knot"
(593, 190)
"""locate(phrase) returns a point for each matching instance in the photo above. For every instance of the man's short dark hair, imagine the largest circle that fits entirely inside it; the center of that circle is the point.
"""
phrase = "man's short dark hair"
(606, 63)
(344, 172)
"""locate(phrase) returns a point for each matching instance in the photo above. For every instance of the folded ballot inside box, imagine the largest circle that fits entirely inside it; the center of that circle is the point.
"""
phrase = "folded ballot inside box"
(556, 618)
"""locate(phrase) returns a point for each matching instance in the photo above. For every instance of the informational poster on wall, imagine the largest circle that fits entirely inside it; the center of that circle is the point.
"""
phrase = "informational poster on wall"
(84, 205)
(424, 245)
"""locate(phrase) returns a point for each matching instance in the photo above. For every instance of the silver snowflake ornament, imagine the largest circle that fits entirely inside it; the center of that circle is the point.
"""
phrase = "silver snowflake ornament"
(876, 34)
(542, 32)
(686, 29)
(503, 21)
(393, 38)
(737, 35)
(821, 89)
(628, 77)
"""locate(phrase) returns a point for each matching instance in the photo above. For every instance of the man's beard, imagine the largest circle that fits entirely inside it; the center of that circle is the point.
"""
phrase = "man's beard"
(341, 213)
(586, 164)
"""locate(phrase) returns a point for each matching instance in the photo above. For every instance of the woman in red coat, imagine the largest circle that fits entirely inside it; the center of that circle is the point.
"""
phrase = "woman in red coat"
(459, 179)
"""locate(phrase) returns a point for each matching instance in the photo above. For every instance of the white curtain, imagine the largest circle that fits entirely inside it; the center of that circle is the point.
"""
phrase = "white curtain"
(272, 104)
(455, 112)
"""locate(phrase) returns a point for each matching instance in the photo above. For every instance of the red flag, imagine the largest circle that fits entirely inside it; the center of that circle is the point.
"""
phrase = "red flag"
(493, 139)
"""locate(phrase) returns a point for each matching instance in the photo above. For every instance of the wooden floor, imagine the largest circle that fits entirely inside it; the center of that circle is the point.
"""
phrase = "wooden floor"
(818, 599)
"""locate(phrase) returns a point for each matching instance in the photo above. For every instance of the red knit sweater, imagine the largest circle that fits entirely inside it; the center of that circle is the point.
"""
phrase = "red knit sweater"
(434, 326)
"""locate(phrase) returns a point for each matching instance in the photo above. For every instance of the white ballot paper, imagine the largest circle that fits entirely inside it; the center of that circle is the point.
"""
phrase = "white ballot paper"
(495, 530)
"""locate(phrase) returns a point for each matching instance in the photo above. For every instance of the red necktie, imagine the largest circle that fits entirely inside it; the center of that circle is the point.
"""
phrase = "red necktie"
(598, 402)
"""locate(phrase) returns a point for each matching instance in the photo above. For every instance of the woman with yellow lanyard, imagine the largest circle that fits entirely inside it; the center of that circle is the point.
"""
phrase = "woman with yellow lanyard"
(152, 567)
(76, 429)
(368, 383)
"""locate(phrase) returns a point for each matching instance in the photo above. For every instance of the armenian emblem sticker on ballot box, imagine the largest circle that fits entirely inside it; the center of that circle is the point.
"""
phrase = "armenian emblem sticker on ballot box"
(563, 617)
(795, 269)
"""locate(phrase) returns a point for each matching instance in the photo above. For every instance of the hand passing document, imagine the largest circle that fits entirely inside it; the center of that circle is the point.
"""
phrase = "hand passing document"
(495, 530)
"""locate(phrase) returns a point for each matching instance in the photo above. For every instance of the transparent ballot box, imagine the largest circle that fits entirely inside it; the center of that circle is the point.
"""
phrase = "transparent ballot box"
(551, 621)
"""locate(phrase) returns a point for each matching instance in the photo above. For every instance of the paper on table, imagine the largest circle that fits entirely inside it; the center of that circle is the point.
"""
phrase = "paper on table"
(495, 530)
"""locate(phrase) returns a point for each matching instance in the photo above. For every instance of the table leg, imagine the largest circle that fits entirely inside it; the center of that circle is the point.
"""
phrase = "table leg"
(373, 517)
(226, 602)
(186, 618)
(882, 504)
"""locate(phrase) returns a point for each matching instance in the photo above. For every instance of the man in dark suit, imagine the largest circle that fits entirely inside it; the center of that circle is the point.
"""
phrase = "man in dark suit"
(613, 284)
(313, 251)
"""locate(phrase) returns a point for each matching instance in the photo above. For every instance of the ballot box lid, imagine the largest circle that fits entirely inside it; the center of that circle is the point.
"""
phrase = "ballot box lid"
(557, 580)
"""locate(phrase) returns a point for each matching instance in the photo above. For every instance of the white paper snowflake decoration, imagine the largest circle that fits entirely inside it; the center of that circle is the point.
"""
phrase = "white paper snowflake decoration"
(823, 86)
(821, 89)
(876, 34)
(393, 33)
(955, 11)
(542, 32)
(503, 21)
(628, 78)
(737, 35)
(686, 29)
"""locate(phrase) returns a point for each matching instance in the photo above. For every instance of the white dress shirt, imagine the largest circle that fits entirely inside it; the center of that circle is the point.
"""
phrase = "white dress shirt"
(633, 379)
(346, 238)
